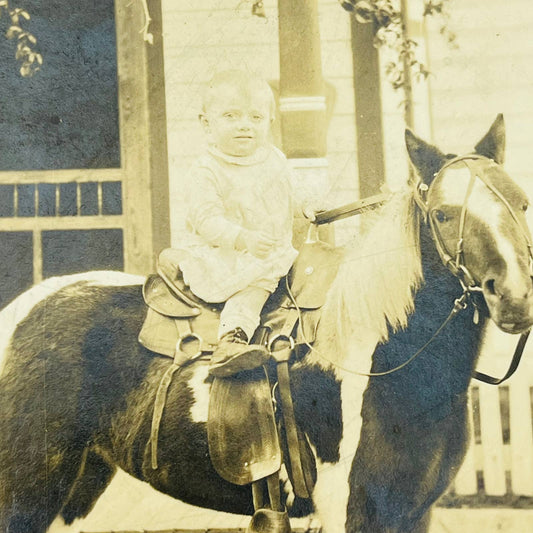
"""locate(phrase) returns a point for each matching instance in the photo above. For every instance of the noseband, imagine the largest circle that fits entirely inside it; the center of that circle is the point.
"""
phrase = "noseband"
(455, 264)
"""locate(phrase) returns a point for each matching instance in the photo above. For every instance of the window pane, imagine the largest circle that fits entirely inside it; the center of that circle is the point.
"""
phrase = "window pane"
(89, 199)
(47, 199)
(16, 267)
(66, 115)
(71, 251)
(26, 200)
(111, 198)
(7, 208)
(67, 200)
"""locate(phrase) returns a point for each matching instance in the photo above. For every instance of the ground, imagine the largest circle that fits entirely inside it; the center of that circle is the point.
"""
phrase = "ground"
(129, 504)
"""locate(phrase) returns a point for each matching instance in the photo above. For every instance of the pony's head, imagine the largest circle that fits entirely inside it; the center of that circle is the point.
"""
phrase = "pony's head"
(477, 218)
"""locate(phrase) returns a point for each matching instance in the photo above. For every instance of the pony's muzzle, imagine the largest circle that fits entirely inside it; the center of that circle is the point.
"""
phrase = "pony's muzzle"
(510, 302)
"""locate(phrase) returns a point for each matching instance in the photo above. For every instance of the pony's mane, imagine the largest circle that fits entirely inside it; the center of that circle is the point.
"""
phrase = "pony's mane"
(378, 276)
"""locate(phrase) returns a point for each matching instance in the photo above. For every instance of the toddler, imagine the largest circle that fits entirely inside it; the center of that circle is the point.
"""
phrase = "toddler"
(238, 239)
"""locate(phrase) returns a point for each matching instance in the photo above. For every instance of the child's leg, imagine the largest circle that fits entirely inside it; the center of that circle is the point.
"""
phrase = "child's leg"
(243, 310)
(238, 321)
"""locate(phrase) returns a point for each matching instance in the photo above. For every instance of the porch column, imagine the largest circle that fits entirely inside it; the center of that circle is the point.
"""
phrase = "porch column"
(302, 99)
(144, 160)
(368, 112)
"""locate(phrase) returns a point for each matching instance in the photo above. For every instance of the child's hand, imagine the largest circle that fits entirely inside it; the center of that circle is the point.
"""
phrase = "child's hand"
(258, 243)
(312, 207)
(309, 212)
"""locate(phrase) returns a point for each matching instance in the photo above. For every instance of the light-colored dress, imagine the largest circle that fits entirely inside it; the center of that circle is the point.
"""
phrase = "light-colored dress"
(226, 194)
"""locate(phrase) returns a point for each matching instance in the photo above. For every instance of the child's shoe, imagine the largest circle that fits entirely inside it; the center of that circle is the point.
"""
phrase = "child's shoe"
(234, 354)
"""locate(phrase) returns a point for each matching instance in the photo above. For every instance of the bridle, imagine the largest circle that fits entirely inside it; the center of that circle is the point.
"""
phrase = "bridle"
(453, 262)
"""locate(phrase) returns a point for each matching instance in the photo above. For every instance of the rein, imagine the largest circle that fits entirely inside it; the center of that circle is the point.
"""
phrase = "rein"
(455, 264)
(459, 305)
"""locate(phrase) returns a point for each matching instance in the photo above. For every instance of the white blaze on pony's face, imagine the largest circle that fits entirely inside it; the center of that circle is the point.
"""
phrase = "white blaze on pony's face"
(495, 236)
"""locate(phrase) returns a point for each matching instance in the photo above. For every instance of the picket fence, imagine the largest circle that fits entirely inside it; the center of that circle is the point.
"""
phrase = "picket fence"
(499, 460)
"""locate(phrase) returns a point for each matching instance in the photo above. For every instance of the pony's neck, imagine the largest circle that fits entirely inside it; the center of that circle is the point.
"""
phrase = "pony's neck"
(441, 374)
(372, 294)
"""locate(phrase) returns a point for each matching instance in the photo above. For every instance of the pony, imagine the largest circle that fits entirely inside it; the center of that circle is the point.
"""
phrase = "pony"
(444, 256)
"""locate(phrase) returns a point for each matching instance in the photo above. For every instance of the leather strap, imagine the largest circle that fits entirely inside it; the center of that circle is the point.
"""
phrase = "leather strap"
(159, 407)
(456, 265)
(519, 350)
(180, 359)
(302, 479)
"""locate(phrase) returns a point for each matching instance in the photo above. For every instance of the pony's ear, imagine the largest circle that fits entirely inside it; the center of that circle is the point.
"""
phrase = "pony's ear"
(426, 159)
(493, 144)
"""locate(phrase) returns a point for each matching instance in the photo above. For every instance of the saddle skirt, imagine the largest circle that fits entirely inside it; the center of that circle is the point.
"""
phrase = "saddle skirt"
(176, 318)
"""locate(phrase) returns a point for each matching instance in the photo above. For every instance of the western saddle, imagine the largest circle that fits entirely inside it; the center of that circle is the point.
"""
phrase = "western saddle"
(245, 449)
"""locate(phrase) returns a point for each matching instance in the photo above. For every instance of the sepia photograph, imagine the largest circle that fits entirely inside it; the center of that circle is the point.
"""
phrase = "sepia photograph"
(266, 266)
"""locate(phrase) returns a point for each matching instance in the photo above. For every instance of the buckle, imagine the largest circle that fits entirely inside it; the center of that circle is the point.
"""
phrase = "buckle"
(284, 354)
(190, 337)
(278, 337)
(460, 303)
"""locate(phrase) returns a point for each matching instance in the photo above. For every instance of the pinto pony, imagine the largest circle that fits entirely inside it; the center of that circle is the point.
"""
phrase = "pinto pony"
(77, 390)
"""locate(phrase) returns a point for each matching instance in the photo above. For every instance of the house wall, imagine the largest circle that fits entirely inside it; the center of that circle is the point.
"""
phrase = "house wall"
(489, 72)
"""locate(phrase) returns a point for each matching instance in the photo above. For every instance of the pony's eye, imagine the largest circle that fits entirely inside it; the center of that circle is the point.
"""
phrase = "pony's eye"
(440, 216)
(525, 206)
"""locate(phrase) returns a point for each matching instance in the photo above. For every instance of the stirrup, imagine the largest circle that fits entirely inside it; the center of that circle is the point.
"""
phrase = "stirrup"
(269, 521)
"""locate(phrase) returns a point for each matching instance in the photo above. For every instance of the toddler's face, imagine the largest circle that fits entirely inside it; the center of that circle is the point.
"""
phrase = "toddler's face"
(238, 122)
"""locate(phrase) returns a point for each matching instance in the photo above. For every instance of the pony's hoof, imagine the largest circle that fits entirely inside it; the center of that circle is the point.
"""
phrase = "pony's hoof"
(268, 521)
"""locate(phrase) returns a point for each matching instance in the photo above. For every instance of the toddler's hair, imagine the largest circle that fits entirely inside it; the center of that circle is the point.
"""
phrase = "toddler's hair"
(238, 79)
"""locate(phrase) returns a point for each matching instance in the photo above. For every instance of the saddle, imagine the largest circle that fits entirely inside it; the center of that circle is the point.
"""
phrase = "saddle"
(244, 429)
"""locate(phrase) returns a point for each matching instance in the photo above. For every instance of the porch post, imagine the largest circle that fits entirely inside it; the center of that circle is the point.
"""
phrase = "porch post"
(302, 99)
(368, 112)
(144, 159)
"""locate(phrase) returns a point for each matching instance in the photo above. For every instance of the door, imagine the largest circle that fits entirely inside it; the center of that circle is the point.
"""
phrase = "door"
(83, 175)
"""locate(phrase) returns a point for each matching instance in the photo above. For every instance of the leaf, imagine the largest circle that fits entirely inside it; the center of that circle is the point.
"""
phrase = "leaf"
(365, 6)
(364, 12)
(22, 51)
(348, 5)
(12, 31)
(25, 70)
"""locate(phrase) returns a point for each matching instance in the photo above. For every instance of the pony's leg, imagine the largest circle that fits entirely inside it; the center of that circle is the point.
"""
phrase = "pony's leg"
(93, 479)
(34, 494)
(332, 490)
(40, 447)
(423, 525)
(330, 496)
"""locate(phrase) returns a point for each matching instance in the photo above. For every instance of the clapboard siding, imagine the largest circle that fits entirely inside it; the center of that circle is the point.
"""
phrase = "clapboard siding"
(491, 71)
